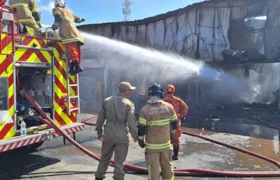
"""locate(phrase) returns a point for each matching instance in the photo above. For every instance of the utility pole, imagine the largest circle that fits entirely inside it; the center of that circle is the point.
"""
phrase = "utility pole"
(126, 9)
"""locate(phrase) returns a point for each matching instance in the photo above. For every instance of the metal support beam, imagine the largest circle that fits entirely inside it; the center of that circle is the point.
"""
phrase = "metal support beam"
(74, 136)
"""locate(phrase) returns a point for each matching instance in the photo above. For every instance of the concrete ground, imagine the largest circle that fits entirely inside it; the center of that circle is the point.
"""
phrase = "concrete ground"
(54, 161)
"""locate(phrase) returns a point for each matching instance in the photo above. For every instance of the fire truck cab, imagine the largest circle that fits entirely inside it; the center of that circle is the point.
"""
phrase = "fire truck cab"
(39, 66)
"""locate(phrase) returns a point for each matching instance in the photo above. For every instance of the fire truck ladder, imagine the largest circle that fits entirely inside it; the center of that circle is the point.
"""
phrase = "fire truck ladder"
(75, 97)
(69, 97)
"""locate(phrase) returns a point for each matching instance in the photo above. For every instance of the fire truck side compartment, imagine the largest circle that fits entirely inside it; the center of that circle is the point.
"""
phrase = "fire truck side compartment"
(38, 84)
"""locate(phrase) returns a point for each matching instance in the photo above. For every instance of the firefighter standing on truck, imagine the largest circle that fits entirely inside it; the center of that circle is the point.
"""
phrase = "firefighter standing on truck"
(181, 110)
(119, 112)
(65, 20)
(27, 13)
(156, 128)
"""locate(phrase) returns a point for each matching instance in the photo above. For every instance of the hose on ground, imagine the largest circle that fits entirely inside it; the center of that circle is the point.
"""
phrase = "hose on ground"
(179, 172)
(267, 123)
(213, 141)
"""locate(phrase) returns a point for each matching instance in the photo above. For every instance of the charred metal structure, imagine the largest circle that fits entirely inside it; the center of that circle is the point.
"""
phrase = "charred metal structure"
(241, 37)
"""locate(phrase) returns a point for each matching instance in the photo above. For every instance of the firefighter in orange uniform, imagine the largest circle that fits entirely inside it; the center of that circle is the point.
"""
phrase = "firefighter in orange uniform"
(65, 20)
(181, 110)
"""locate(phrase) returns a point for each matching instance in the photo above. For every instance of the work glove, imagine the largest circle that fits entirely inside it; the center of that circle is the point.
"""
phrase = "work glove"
(54, 27)
(40, 25)
(141, 143)
(82, 20)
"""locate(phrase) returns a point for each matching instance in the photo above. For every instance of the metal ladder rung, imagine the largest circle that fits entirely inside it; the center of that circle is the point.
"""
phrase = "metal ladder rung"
(74, 109)
(73, 85)
(71, 97)
(76, 96)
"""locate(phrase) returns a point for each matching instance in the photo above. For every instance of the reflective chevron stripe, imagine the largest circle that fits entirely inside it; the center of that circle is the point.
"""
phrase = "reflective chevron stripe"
(24, 141)
(36, 56)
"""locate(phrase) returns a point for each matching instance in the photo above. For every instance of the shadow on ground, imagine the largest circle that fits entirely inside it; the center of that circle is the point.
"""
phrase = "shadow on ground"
(15, 164)
(60, 173)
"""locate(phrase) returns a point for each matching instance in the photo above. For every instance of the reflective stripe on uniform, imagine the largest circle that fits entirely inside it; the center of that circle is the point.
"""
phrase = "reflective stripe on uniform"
(142, 121)
(24, 20)
(65, 18)
(158, 122)
(36, 10)
(174, 117)
(170, 179)
(107, 99)
(140, 137)
(19, 4)
(70, 40)
(158, 146)
(149, 173)
(129, 103)
(161, 122)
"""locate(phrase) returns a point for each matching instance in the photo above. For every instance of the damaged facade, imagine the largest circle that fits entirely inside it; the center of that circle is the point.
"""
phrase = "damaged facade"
(238, 36)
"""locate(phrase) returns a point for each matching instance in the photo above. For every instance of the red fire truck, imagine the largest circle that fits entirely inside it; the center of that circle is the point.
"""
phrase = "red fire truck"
(37, 65)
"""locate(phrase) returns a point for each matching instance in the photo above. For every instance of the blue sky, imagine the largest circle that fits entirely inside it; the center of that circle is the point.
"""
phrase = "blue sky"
(98, 11)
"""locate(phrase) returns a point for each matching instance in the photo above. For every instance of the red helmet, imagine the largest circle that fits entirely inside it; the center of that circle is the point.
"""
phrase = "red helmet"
(170, 89)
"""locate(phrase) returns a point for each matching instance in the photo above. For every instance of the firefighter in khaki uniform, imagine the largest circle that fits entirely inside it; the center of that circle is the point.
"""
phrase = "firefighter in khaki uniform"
(181, 110)
(65, 20)
(119, 112)
(27, 13)
(156, 128)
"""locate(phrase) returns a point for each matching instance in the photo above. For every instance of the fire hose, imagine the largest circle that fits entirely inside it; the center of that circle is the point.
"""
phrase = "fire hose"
(267, 123)
(179, 172)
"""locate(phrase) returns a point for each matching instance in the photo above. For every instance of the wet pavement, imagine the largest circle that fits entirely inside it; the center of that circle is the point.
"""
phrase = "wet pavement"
(54, 161)
(235, 119)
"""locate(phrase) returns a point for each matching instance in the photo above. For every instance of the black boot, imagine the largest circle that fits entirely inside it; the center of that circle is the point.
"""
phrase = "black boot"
(97, 178)
(176, 151)
(76, 68)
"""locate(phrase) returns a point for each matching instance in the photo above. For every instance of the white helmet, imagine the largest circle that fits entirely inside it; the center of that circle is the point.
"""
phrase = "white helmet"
(59, 2)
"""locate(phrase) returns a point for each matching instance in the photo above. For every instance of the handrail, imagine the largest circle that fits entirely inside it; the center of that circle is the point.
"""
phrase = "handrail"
(18, 26)
(56, 36)
(33, 48)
